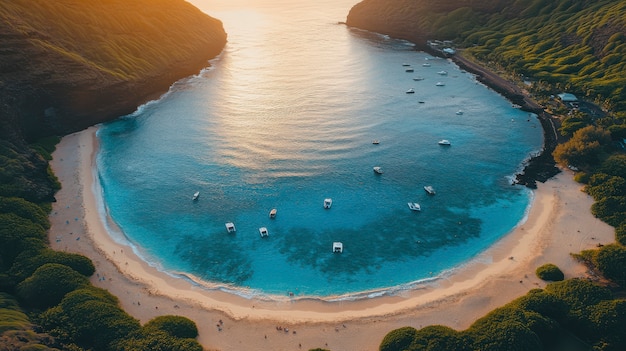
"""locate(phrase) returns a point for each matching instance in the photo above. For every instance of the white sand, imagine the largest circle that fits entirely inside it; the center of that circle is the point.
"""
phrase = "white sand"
(559, 223)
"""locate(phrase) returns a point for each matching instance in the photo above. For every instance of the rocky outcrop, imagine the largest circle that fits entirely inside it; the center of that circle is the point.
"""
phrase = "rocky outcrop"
(66, 65)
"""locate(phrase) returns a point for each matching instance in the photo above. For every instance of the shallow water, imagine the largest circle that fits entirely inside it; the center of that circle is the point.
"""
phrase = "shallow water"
(285, 118)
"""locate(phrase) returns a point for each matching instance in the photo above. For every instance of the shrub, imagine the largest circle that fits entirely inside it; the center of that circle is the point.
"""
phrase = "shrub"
(177, 326)
(49, 284)
(549, 272)
(398, 339)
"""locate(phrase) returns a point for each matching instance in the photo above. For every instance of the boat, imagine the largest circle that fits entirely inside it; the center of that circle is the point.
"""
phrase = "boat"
(444, 142)
(414, 206)
(426, 64)
(230, 227)
(443, 73)
(378, 170)
(405, 64)
(410, 91)
(195, 196)
(375, 142)
(328, 202)
(273, 213)
(418, 78)
(459, 112)
(409, 70)
(337, 247)
(440, 84)
(429, 189)
(263, 231)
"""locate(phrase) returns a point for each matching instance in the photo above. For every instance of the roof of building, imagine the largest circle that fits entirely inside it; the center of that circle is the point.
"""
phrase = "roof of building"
(567, 97)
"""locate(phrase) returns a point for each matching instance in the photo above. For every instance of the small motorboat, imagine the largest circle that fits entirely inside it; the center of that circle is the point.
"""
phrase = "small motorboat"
(442, 73)
(230, 227)
(414, 206)
(444, 142)
(378, 170)
(426, 64)
(410, 91)
(273, 213)
(375, 142)
(337, 247)
(459, 112)
(195, 196)
(409, 70)
(406, 64)
(418, 78)
(429, 189)
(440, 84)
(328, 202)
(264, 233)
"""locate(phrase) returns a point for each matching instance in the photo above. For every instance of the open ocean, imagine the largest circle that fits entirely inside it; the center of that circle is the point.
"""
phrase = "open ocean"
(285, 118)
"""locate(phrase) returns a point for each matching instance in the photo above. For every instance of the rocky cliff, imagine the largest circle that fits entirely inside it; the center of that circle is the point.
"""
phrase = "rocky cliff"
(69, 64)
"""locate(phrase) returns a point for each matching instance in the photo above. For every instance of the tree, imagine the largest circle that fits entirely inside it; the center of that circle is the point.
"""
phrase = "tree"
(18, 234)
(584, 149)
(611, 210)
(549, 272)
(620, 233)
(177, 326)
(27, 263)
(398, 339)
(578, 294)
(438, 338)
(611, 261)
(49, 284)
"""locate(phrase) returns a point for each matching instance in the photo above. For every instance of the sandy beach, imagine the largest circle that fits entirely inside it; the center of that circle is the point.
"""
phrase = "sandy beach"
(559, 223)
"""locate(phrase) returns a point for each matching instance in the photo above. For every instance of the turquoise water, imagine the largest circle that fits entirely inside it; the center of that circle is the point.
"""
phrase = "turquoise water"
(284, 118)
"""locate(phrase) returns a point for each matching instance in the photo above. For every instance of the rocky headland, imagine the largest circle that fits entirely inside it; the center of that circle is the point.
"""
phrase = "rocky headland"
(66, 65)
(419, 21)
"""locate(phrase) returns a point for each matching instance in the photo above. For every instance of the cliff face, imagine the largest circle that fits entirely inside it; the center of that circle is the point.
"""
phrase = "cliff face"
(69, 64)
(419, 20)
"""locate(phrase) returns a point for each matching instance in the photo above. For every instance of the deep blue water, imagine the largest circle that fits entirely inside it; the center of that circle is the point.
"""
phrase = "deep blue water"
(284, 118)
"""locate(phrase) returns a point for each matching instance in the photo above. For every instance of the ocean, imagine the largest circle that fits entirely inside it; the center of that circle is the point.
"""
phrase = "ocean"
(286, 117)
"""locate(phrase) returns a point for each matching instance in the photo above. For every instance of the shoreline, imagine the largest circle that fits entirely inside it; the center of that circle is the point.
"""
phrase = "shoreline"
(559, 214)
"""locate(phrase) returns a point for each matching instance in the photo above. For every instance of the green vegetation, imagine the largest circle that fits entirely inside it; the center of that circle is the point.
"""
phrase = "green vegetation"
(535, 321)
(564, 45)
(115, 37)
(550, 272)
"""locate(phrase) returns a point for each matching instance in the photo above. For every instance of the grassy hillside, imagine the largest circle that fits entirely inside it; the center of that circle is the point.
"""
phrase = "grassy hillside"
(127, 39)
(69, 64)
(573, 45)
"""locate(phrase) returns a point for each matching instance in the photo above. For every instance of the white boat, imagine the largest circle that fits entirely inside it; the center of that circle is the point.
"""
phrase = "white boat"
(410, 91)
(378, 170)
(443, 73)
(414, 206)
(375, 142)
(426, 64)
(273, 213)
(337, 247)
(429, 189)
(230, 227)
(405, 64)
(444, 142)
(195, 196)
(459, 112)
(328, 202)
(263, 232)
(418, 78)
(440, 84)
